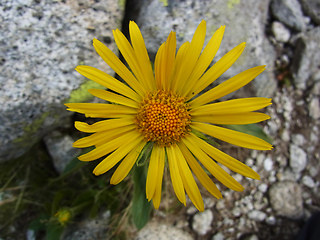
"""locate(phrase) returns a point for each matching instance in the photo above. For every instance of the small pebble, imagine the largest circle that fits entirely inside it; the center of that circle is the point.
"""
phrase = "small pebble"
(257, 215)
(271, 220)
(201, 222)
(263, 187)
(298, 158)
(268, 164)
(308, 181)
(218, 236)
(280, 32)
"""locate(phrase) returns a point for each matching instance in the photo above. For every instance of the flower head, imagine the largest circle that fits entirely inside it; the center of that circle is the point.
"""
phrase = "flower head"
(164, 107)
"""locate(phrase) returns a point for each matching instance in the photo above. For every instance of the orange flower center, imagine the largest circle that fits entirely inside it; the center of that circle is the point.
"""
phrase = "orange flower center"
(163, 118)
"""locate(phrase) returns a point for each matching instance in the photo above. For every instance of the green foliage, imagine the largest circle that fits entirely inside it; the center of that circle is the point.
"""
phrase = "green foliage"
(206, 138)
(252, 129)
(141, 208)
(33, 196)
(145, 154)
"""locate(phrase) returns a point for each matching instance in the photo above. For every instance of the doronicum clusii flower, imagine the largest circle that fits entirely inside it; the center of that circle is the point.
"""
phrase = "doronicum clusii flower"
(63, 216)
(164, 108)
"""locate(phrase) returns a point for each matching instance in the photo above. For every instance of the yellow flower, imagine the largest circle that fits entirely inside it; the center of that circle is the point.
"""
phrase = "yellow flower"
(164, 107)
(63, 216)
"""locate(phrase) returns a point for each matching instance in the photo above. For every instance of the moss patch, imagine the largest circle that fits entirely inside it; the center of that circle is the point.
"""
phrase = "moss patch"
(164, 2)
(122, 3)
(30, 130)
(81, 94)
(232, 3)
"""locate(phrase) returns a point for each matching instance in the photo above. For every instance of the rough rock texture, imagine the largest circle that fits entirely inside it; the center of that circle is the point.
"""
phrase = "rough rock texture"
(286, 200)
(41, 43)
(280, 32)
(306, 59)
(161, 231)
(60, 149)
(298, 158)
(89, 229)
(312, 9)
(289, 12)
(244, 20)
(201, 222)
(288, 193)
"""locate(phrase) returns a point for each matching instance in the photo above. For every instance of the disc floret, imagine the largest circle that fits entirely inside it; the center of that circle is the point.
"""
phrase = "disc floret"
(163, 118)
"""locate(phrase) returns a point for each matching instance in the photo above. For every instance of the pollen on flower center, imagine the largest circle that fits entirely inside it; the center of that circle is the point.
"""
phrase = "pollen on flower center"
(163, 118)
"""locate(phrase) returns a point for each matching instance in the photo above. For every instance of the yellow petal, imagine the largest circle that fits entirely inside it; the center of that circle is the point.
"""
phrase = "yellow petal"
(228, 161)
(104, 125)
(164, 62)
(101, 109)
(199, 172)
(141, 53)
(188, 180)
(157, 194)
(127, 145)
(108, 147)
(107, 81)
(204, 60)
(212, 167)
(178, 63)
(113, 97)
(191, 58)
(114, 62)
(101, 137)
(152, 172)
(175, 175)
(233, 106)
(233, 137)
(227, 86)
(158, 71)
(125, 166)
(238, 118)
(131, 58)
(218, 69)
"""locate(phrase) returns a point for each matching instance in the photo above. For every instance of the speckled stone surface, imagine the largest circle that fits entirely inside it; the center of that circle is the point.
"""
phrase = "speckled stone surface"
(41, 43)
(244, 20)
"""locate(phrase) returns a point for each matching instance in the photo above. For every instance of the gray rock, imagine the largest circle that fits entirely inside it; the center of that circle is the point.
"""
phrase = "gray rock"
(88, 229)
(263, 187)
(161, 231)
(298, 158)
(244, 20)
(236, 212)
(268, 164)
(298, 139)
(316, 88)
(280, 32)
(312, 9)
(306, 58)
(286, 199)
(314, 108)
(289, 12)
(286, 174)
(308, 181)
(60, 149)
(201, 222)
(257, 215)
(41, 43)
(218, 236)
(271, 220)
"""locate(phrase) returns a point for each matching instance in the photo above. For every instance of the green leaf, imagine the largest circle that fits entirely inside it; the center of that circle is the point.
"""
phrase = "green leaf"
(145, 154)
(54, 231)
(141, 208)
(204, 137)
(252, 129)
(39, 223)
